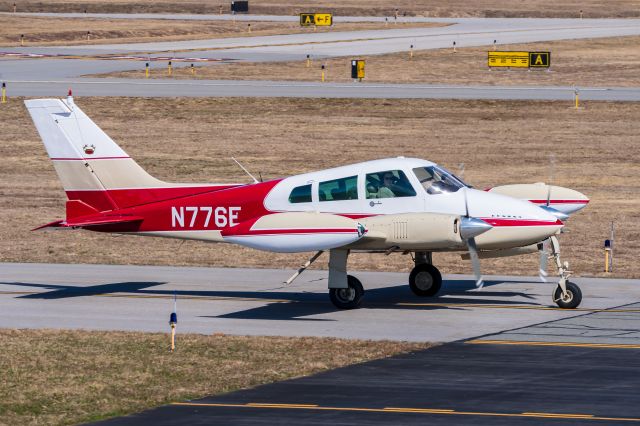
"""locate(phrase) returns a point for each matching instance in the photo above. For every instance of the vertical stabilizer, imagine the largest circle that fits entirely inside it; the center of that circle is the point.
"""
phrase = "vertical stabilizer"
(88, 162)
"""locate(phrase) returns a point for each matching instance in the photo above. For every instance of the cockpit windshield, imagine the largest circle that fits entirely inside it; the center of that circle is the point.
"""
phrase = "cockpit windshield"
(437, 180)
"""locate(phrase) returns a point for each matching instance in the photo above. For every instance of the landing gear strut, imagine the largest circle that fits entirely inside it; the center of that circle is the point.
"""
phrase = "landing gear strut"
(345, 291)
(567, 294)
(425, 280)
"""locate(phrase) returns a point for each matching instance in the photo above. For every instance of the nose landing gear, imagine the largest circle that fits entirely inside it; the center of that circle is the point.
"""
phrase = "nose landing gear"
(567, 295)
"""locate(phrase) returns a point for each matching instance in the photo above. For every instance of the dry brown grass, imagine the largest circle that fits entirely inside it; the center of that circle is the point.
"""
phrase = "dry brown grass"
(42, 31)
(68, 377)
(482, 8)
(593, 62)
(500, 142)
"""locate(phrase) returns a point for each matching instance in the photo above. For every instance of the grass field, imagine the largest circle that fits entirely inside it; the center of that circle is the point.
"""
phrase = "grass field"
(482, 8)
(42, 31)
(191, 140)
(68, 377)
(591, 62)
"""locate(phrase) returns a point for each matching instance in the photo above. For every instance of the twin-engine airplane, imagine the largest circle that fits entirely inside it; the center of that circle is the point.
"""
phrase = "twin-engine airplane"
(396, 204)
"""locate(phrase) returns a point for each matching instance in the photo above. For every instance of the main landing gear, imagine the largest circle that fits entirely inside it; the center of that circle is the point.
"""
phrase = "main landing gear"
(347, 298)
(345, 291)
(567, 294)
(425, 280)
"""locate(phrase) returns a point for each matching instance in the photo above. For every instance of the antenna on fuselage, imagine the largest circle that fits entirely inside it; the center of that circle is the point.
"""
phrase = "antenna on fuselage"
(245, 170)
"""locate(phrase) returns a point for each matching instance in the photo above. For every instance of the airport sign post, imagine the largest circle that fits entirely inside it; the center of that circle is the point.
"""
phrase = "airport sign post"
(357, 69)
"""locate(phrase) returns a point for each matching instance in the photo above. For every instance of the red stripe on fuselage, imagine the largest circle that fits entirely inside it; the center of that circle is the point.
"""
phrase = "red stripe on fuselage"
(158, 215)
(560, 201)
(497, 222)
(99, 199)
(301, 231)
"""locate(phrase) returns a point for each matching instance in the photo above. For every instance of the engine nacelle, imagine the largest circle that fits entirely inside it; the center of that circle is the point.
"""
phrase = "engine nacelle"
(295, 232)
(565, 200)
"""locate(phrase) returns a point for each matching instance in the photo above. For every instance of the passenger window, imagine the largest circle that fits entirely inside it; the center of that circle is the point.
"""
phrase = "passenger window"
(388, 184)
(339, 189)
(300, 194)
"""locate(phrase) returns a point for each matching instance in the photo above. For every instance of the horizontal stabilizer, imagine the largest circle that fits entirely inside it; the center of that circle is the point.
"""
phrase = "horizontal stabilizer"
(92, 221)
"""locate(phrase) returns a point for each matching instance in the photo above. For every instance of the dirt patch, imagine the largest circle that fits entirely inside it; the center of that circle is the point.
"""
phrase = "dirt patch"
(71, 377)
(191, 140)
(441, 8)
(42, 31)
(592, 62)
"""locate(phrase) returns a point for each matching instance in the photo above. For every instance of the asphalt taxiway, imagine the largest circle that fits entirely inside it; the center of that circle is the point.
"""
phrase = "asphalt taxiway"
(247, 88)
(457, 383)
(49, 71)
(512, 356)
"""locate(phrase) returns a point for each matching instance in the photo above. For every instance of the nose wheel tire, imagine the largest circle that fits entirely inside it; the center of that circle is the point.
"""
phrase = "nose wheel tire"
(425, 280)
(571, 300)
(347, 298)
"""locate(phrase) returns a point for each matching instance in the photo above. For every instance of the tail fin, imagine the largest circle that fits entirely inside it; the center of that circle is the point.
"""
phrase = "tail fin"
(88, 162)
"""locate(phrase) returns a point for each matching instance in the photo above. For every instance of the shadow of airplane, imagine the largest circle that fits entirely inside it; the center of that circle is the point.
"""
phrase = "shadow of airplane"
(300, 304)
(66, 291)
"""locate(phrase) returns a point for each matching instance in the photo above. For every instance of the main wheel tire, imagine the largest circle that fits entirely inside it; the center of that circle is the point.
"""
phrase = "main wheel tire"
(347, 298)
(425, 280)
(572, 298)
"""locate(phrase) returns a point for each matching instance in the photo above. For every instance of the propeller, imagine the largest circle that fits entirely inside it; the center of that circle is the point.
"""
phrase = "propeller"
(552, 163)
(471, 227)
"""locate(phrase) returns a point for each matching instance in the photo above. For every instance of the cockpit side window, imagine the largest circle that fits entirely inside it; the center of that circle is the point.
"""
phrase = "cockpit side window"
(388, 184)
(339, 189)
(437, 180)
(300, 194)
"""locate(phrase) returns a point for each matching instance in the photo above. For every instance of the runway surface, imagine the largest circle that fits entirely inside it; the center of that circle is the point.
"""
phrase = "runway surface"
(254, 302)
(52, 75)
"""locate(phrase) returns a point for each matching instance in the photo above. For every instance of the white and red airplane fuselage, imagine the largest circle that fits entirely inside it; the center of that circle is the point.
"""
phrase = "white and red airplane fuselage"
(394, 204)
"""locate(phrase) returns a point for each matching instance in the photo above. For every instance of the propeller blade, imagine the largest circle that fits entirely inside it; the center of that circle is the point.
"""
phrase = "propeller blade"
(548, 195)
(552, 164)
(466, 203)
(544, 261)
(475, 262)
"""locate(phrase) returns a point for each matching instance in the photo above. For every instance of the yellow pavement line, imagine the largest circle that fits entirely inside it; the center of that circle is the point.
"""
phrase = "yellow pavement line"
(160, 296)
(408, 410)
(540, 308)
(170, 296)
(560, 344)
(260, 404)
(408, 304)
